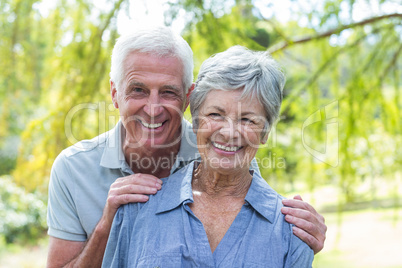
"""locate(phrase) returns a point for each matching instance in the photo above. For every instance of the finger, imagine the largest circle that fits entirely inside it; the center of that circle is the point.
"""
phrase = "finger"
(132, 189)
(131, 198)
(143, 178)
(301, 218)
(310, 225)
(305, 220)
(115, 201)
(146, 177)
(298, 197)
(313, 224)
(294, 203)
(138, 179)
(310, 240)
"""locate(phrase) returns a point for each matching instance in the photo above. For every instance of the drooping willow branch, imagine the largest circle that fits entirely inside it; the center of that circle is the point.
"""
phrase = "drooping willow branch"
(319, 71)
(288, 42)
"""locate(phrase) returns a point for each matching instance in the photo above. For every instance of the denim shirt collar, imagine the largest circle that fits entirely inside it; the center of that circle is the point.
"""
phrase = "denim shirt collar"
(178, 190)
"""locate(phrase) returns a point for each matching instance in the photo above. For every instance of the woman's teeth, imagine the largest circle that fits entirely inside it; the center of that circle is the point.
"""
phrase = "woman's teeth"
(226, 148)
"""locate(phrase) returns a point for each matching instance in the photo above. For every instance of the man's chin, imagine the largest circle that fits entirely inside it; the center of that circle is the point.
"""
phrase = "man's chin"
(156, 144)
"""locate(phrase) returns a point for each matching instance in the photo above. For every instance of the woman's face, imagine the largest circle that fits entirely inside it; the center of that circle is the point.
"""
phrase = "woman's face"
(230, 130)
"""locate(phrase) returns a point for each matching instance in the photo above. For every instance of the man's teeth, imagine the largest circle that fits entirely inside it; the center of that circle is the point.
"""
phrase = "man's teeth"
(226, 148)
(151, 125)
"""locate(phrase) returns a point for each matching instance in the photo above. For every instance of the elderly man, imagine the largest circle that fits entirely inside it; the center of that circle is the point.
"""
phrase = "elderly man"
(151, 79)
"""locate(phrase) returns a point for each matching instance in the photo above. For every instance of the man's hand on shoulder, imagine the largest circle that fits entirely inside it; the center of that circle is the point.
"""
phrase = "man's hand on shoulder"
(129, 189)
(309, 224)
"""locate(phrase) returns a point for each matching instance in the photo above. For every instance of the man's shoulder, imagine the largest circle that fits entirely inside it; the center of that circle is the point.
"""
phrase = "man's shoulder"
(86, 146)
(85, 152)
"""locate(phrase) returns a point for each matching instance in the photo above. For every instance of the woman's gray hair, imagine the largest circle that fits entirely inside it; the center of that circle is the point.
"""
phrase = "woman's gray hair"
(238, 68)
(159, 41)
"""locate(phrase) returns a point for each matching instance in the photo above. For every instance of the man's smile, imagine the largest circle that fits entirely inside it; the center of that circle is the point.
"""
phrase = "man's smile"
(151, 126)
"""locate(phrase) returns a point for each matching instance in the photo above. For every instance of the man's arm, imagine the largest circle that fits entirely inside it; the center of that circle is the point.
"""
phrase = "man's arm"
(61, 251)
(309, 225)
(130, 189)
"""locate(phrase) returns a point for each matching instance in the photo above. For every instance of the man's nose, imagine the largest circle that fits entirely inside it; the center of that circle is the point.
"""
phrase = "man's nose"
(153, 106)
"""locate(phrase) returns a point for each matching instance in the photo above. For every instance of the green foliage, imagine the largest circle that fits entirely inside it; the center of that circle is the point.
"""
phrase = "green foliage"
(341, 115)
(22, 214)
(52, 65)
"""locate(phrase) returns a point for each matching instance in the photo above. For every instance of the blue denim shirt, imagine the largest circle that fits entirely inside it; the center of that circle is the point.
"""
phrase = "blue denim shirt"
(164, 232)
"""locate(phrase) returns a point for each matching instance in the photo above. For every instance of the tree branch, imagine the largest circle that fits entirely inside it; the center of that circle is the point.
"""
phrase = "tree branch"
(285, 44)
(296, 92)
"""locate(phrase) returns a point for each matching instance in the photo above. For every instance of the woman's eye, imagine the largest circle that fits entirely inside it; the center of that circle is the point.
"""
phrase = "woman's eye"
(247, 120)
(214, 115)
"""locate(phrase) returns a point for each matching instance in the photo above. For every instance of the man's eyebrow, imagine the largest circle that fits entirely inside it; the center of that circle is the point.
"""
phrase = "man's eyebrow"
(172, 87)
(140, 84)
(136, 83)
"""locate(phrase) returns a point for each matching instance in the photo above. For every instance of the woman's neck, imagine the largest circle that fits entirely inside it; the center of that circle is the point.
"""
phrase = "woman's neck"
(216, 184)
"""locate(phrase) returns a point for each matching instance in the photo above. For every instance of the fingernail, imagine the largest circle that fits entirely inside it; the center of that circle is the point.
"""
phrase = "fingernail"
(159, 181)
(285, 210)
(159, 186)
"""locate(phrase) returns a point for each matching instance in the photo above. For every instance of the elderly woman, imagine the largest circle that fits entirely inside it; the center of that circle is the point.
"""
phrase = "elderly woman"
(217, 212)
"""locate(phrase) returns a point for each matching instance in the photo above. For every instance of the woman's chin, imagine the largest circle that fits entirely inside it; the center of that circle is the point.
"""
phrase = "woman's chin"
(225, 167)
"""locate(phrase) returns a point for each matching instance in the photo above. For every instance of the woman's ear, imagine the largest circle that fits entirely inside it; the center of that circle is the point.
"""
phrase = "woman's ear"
(264, 138)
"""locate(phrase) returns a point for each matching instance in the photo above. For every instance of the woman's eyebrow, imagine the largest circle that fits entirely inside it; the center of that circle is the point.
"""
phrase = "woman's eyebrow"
(247, 113)
(220, 109)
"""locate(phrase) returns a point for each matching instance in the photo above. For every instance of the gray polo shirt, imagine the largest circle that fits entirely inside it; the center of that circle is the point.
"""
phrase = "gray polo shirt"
(82, 174)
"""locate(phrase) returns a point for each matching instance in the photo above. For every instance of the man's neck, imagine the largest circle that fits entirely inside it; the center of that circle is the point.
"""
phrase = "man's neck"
(157, 162)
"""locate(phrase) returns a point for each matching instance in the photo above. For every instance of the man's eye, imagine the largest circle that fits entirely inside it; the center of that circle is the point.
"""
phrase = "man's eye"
(138, 90)
(169, 92)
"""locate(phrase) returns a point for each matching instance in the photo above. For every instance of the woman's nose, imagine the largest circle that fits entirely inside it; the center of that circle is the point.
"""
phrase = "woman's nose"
(230, 129)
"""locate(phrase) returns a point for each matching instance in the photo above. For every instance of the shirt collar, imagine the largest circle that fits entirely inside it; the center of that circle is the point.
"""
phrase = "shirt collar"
(188, 147)
(113, 156)
(262, 197)
(177, 189)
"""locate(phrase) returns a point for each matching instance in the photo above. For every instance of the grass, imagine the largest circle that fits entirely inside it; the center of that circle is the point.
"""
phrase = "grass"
(368, 238)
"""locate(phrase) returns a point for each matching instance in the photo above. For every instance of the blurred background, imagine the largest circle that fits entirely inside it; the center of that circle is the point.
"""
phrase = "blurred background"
(337, 143)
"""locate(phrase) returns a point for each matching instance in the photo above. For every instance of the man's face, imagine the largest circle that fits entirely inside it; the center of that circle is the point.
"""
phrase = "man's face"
(151, 100)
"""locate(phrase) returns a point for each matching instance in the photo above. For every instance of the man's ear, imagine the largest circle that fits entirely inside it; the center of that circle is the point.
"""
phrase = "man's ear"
(188, 95)
(113, 93)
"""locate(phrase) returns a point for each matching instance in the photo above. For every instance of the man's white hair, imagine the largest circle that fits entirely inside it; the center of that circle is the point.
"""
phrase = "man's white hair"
(158, 41)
